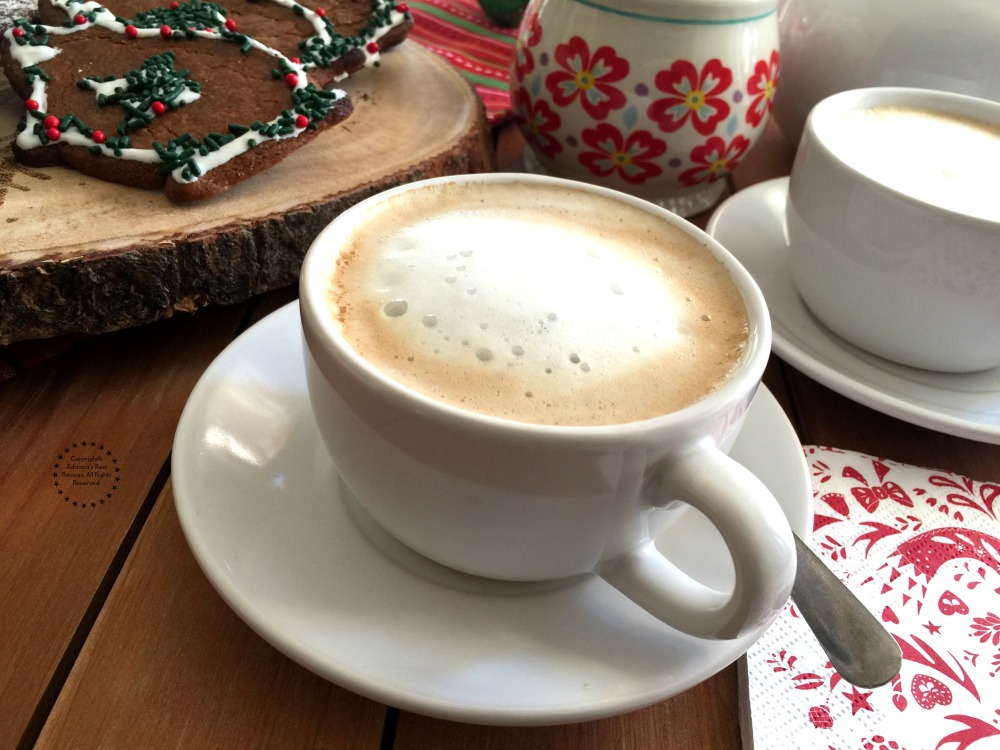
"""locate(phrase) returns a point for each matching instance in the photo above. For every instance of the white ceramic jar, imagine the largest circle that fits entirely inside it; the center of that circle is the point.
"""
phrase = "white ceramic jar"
(657, 98)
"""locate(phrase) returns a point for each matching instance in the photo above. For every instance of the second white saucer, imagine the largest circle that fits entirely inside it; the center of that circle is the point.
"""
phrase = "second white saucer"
(751, 225)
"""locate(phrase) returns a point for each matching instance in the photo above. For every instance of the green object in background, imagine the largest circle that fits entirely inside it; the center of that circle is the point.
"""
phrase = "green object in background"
(506, 13)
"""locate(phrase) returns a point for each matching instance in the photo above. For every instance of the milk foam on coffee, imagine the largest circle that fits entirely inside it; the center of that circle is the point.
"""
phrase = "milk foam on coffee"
(538, 304)
(940, 158)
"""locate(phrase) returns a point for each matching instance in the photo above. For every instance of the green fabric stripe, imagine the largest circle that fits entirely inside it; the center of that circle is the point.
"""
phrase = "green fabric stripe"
(481, 80)
(460, 22)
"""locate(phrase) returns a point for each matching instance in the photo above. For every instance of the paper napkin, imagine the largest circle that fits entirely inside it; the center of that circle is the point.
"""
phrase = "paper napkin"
(921, 548)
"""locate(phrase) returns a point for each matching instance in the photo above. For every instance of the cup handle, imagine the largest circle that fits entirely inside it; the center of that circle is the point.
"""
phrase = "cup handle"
(755, 530)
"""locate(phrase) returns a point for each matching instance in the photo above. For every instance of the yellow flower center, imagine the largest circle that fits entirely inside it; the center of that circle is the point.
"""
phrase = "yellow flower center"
(718, 167)
(584, 80)
(769, 89)
(695, 99)
(621, 159)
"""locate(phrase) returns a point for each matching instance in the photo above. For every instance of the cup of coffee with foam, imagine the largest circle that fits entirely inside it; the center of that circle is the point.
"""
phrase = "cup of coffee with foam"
(524, 378)
(893, 223)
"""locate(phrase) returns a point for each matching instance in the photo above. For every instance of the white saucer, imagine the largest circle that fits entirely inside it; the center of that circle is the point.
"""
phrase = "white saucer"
(751, 225)
(272, 527)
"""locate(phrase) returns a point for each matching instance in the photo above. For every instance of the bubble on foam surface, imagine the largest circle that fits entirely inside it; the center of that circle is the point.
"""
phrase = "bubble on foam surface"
(395, 308)
(429, 320)
(483, 354)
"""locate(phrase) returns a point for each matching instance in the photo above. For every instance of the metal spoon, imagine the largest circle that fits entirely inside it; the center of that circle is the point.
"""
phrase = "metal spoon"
(860, 649)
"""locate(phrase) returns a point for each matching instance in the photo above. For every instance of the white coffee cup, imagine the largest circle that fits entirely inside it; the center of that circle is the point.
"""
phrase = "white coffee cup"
(504, 498)
(893, 225)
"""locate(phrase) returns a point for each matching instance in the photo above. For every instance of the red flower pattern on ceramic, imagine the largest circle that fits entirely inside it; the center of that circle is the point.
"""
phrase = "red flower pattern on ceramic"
(628, 156)
(692, 95)
(539, 122)
(531, 35)
(587, 77)
(714, 159)
(761, 87)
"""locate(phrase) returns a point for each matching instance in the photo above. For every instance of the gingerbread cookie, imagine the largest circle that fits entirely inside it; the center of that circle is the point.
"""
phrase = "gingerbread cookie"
(184, 96)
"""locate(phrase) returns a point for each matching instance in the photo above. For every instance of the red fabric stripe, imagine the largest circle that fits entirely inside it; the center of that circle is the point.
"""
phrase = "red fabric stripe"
(428, 27)
(440, 36)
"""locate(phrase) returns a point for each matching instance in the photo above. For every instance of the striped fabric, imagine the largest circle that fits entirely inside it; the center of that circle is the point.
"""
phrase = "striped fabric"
(460, 32)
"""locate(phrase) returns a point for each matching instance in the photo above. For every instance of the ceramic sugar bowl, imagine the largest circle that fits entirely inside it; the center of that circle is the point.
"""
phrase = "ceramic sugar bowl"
(658, 98)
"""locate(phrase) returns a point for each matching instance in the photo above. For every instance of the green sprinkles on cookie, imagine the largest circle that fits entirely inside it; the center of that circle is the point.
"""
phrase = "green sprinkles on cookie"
(145, 93)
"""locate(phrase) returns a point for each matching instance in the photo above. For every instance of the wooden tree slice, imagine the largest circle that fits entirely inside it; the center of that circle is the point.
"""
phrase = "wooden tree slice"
(81, 255)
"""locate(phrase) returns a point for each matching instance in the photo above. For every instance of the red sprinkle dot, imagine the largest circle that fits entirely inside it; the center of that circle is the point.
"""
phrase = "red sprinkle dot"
(301, 121)
(403, 8)
(230, 24)
(79, 19)
(158, 107)
(320, 12)
(291, 79)
(174, 5)
(166, 32)
(18, 32)
(98, 136)
(31, 104)
(372, 47)
(294, 60)
(53, 134)
(50, 122)
(131, 31)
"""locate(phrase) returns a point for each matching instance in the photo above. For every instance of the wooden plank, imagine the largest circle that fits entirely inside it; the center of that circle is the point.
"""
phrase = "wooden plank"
(111, 405)
(703, 717)
(80, 254)
(169, 664)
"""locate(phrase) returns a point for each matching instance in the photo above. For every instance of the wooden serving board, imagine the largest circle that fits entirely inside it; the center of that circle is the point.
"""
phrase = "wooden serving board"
(81, 255)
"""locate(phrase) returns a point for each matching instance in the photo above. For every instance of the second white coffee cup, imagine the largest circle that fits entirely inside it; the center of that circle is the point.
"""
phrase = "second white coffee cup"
(503, 497)
(893, 225)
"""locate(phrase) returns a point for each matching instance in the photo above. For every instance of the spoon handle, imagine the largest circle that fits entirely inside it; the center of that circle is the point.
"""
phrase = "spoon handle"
(860, 649)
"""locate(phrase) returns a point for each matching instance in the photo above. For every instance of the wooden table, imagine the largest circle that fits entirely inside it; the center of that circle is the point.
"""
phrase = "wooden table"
(111, 636)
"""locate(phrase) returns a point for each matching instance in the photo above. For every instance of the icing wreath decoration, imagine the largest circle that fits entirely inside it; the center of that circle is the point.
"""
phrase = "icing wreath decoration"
(166, 43)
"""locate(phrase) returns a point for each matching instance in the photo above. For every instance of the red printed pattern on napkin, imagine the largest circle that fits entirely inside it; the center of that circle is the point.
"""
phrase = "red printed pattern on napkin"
(921, 548)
